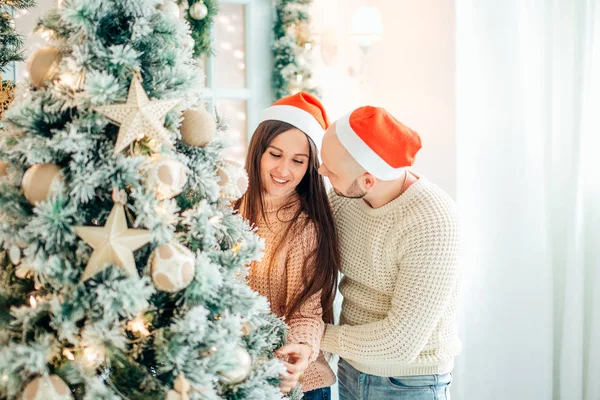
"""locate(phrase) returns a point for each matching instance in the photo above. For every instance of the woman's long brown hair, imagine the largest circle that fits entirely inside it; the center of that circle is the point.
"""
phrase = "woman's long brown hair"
(325, 259)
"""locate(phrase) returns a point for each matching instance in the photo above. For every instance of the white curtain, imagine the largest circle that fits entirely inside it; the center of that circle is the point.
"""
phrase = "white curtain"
(528, 127)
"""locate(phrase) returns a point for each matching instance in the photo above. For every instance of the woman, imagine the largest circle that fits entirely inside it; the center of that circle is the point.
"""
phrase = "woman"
(287, 202)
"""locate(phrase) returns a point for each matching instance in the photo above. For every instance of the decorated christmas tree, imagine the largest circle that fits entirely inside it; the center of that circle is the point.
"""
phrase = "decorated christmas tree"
(123, 265)
(292, 49)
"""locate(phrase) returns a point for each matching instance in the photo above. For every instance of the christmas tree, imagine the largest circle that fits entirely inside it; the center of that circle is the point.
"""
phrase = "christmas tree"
(122, 272)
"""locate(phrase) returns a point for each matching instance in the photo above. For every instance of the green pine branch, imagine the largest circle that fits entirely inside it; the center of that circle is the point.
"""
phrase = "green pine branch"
(285, 47)
(201, 28)
(11, 42)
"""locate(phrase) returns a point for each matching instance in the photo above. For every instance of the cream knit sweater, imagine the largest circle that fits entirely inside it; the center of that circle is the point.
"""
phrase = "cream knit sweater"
(400, 286)
(285, 279)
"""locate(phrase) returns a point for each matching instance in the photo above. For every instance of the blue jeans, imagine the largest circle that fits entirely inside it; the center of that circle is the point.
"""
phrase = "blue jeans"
(355, 385)
(318, 394)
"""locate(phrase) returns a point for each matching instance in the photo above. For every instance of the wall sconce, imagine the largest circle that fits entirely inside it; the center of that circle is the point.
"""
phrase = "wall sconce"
(366, 29)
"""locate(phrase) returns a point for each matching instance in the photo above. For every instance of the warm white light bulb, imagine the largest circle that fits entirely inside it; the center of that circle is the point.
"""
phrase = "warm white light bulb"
(67, 353)
(32, 302)
(138, 325)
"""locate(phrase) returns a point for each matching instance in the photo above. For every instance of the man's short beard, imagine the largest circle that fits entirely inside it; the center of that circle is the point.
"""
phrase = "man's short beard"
(354, 191)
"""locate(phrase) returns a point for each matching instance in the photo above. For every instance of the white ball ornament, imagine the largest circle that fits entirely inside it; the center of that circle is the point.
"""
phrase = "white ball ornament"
(233, 180)
(43, 65)
(40, 181)
(167, 176)
(172, 267)
(170, 8)
(198, 127)
(242, 368)
(198, 11)
(47, 387)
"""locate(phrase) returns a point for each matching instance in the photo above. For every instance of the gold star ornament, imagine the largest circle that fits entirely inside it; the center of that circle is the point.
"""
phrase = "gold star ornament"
(113, 243)
(139, 117)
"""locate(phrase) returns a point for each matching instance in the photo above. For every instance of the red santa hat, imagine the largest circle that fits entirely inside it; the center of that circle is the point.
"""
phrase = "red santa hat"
(380, 143)
(302, 110)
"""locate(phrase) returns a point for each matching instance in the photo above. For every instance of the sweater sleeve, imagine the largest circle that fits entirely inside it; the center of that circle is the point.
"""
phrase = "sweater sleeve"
(428, 270)
(306, 325)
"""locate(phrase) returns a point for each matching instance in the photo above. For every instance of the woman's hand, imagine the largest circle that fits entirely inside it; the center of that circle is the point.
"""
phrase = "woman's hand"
(297, 361)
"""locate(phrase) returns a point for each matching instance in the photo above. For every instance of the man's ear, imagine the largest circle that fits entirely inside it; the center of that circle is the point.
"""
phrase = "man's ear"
(368, 181)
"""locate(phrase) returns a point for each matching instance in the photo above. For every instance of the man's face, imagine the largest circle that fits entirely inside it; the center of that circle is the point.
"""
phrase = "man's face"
(337, 167)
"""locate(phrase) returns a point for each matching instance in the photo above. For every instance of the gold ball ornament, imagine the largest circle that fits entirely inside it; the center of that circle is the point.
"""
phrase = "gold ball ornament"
(47, 387)
(170, 8)
(198, 127)
(43, 65)
(242, 368)
(198, 11)
(167, 175)
(39, 181)
(172, 267)
(233, 180)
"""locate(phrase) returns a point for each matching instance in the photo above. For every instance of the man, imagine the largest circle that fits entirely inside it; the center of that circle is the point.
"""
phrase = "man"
(399, 241)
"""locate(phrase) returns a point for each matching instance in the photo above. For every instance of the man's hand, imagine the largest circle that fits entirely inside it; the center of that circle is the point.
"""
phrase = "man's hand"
(297, 362)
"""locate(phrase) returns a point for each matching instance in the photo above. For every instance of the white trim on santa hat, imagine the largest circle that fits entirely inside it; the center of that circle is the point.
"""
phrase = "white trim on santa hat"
(363, 154)
(301, 119)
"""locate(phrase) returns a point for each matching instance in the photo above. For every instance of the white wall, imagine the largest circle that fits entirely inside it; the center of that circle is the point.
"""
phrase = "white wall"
(410, 73)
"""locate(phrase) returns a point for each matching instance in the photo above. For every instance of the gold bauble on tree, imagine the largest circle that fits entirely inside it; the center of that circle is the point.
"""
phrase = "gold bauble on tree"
(40, 181)
(166, 175)
(233, 180)
(172, 267)
(198, 11)
(47, 387)
(198, 127)
(241, 370)
(43, 66)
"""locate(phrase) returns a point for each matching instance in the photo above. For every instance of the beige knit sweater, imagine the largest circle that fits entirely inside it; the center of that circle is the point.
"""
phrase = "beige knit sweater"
(285, 279)
(400, 286)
